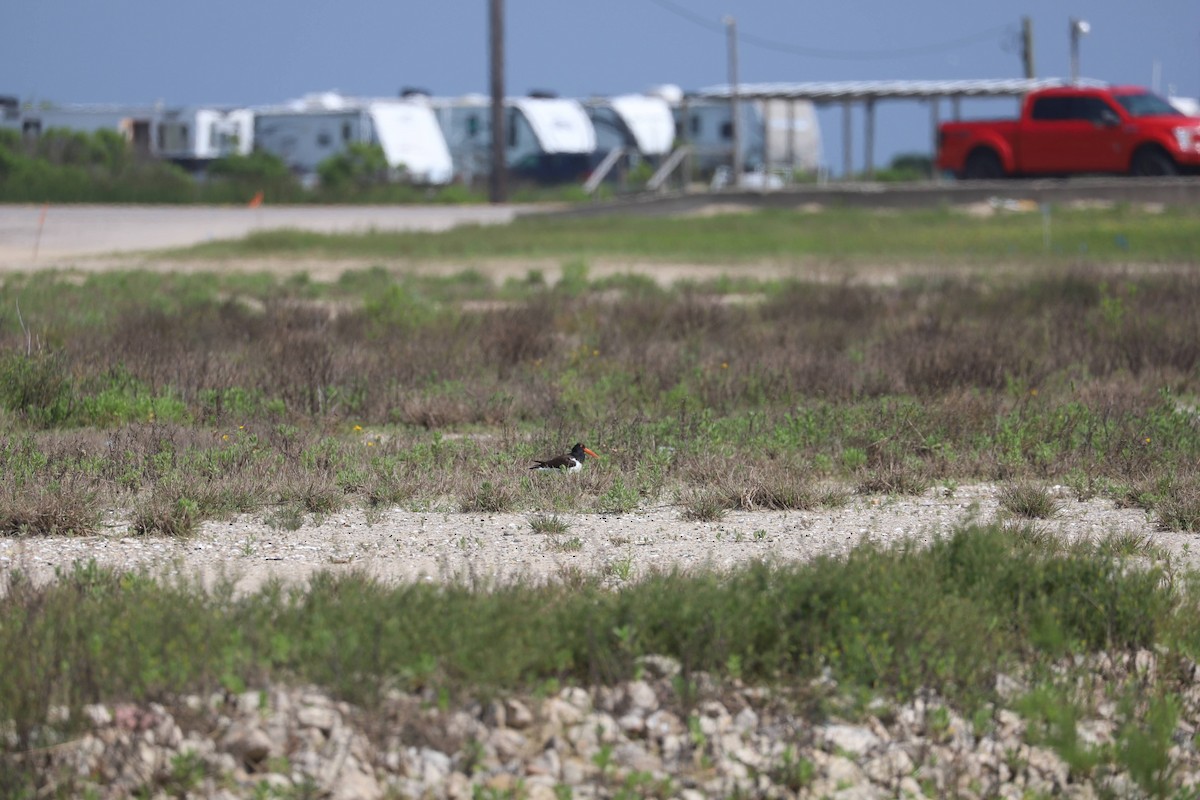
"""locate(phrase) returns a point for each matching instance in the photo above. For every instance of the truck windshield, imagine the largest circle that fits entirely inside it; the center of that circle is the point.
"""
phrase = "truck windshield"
(1147, 105)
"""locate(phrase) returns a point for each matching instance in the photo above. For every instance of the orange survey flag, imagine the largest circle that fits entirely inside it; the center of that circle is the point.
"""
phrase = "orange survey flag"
(256, 201)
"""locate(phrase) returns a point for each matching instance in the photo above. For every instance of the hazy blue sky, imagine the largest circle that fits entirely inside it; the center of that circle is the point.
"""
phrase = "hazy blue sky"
(266, 51)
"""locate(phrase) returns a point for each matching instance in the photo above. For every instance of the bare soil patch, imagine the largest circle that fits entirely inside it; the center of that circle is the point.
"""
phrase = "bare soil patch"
(402, 545)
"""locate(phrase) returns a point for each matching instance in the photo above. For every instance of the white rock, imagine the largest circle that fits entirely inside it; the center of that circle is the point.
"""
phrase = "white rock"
(320, 717)
(854, 740)
(642, 696)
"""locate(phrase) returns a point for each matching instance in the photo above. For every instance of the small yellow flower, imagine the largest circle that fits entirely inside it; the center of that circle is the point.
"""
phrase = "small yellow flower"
(357, 428)
(1147, 440)
(370, 444)
(225, 437)
(241, 427)
(595, 352)
(724, 365)
(1033, 392)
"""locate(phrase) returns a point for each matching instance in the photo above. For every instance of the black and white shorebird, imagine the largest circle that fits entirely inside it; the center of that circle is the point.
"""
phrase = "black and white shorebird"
(571, 462)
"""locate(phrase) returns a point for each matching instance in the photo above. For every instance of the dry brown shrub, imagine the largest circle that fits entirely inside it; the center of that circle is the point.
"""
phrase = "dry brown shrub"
(61, 509)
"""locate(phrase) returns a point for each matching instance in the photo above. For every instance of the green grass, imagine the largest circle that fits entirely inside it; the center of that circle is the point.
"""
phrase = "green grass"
(182, 398)
(936, 236)
(210, 395)
(891, 620)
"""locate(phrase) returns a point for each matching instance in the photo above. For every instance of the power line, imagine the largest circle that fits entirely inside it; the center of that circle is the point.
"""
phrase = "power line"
(817, 52)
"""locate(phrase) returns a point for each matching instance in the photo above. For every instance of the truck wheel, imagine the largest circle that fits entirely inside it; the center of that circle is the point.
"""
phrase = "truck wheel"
(983, 165)
(1152, 161)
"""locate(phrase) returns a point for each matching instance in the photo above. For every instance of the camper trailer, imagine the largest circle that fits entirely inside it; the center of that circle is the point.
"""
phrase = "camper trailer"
(776, 135)
(191, 137)
(547, 139)
(308, 131)
(137, 124)
(194, 137)
(642, 124)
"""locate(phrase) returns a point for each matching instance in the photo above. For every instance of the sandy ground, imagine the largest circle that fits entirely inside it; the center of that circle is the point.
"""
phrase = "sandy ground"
(73, 234)
(486, 549)
(405, 545)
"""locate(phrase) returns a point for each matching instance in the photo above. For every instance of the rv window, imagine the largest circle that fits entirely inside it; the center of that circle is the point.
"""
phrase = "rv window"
(695, 126)
(726, 130)
(324, 139)
(345, 131)
(512, 128)
(472, 126)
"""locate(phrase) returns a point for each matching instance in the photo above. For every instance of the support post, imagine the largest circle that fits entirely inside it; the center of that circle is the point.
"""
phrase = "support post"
(847, 141)
(869, 138)
(734, 109)
(498, 177)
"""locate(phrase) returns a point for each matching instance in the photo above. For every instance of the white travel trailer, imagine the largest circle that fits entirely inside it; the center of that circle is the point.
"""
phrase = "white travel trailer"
(308, 131)
(547, 139)
(792, 133)
(775, 134)
(138, 124)
(192, 137)
(643, 124)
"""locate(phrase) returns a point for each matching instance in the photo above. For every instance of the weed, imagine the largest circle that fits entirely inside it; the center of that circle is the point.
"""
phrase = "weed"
(1179, 509)
(54, 510)
(572, 545)
(550, 524)
(793, 771)
(488, 497)
(1143, 746)
(287, 517)
(1029, 500)
(893, 479)
(166, 514)
(619, 499)
(621, 568)
(704, 506)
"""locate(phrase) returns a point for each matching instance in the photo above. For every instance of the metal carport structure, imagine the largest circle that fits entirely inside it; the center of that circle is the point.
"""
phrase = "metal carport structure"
(870, 92)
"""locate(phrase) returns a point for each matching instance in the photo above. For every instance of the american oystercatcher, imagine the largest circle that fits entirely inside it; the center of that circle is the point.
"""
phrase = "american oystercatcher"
(571, 462)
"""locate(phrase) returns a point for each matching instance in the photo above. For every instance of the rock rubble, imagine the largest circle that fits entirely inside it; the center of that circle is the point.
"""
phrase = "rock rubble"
(641, 738)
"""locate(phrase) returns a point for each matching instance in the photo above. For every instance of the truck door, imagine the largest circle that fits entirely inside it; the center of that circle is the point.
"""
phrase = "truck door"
(1066, 134)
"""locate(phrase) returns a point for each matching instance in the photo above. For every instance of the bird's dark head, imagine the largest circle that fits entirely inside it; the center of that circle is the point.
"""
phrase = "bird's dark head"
(579, 451)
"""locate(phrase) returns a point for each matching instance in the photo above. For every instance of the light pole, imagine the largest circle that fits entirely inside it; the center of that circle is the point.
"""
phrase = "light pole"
(734, 111)
(1079, 28)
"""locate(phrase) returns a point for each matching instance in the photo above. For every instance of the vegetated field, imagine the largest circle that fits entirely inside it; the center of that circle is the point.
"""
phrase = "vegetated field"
(179, 398)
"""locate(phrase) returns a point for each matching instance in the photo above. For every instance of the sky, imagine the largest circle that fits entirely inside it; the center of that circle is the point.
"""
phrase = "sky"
(251, 52)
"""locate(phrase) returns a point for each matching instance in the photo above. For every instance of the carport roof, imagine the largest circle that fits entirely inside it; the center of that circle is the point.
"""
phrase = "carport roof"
(835, 91)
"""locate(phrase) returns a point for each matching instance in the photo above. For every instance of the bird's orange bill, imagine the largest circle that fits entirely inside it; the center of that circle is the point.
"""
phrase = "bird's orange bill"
(590, 453)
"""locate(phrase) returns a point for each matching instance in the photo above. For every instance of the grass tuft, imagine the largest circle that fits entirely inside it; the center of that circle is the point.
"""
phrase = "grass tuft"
(704, 505)
(1179, 507)
(488, 497)
(548, 523)
(55, 510)
(166, 514)
(1029, 500)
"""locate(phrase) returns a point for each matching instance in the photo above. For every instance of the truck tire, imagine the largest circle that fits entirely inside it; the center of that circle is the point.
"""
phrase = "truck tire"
(982, 165)
(1150, 160)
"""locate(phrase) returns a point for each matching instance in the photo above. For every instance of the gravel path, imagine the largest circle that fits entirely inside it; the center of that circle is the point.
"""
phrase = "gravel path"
(484, 549)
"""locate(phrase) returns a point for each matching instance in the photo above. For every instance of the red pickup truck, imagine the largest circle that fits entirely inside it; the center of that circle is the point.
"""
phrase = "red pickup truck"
(1068, 130)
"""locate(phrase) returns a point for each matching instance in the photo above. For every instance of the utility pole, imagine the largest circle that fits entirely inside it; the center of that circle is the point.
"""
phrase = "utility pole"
(1027, 47)
(498, 179)
(1079, 28)
(734, 110)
